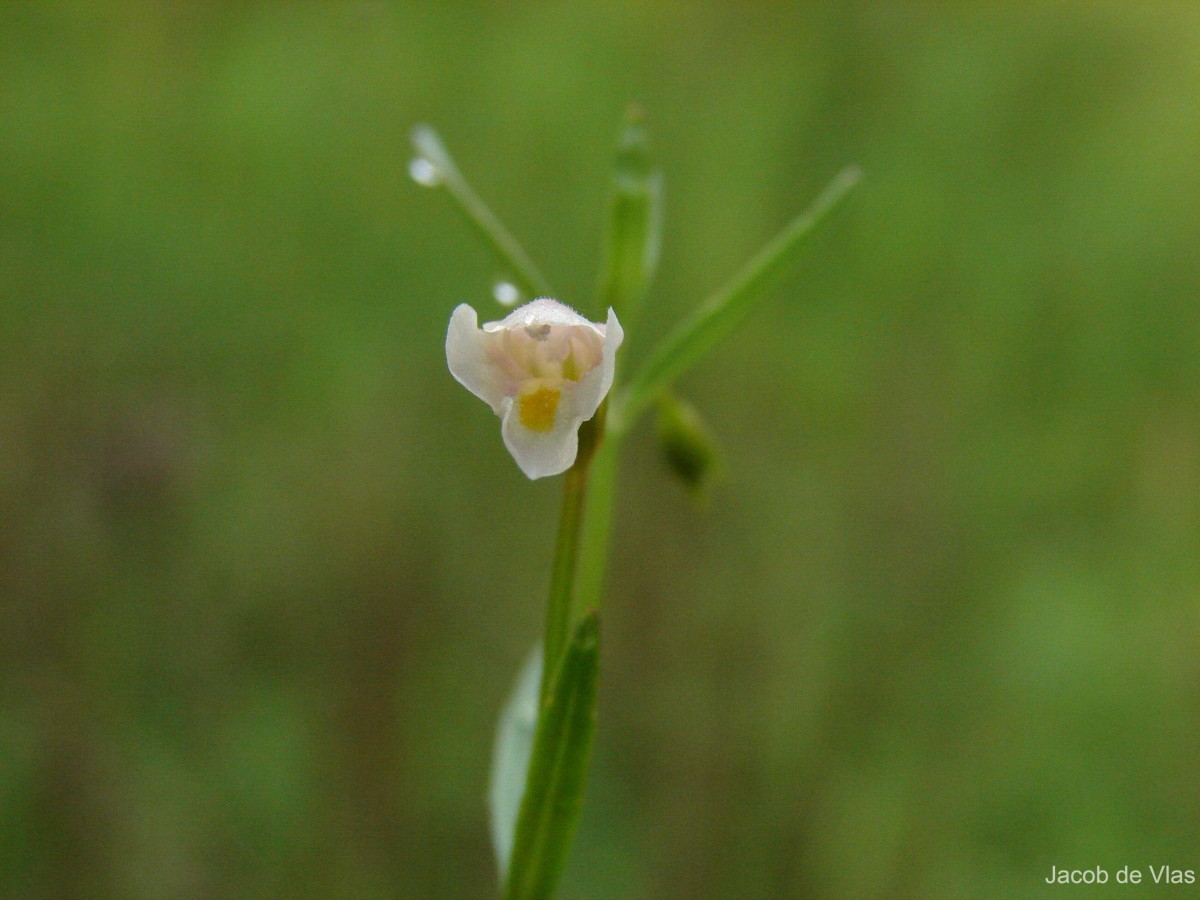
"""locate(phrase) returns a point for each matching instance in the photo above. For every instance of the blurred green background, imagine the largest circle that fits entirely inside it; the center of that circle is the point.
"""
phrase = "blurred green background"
(266, 571)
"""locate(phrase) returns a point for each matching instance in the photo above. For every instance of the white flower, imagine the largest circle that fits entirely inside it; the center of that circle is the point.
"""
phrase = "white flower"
(543, 370)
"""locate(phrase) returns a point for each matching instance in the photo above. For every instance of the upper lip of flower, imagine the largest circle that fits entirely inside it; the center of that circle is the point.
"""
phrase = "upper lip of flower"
(544, 369)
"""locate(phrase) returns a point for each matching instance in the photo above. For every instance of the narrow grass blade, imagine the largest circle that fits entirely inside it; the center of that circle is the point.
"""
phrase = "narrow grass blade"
(723, 311)
(435, 167)
(510, 757)
(633, 235)
(557, 771)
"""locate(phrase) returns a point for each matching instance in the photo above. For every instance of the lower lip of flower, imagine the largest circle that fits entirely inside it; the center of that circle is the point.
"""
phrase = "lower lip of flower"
(537, 409)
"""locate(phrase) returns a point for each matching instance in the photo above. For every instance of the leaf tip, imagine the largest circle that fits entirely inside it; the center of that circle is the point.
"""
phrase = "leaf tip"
(426, 142)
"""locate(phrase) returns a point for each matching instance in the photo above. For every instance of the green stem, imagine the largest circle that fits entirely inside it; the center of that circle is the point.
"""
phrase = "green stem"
(597, 524)
(562, 575)
(556, 771)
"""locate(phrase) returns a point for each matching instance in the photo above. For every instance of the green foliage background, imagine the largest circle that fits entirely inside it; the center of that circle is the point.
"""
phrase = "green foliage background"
(267, 572)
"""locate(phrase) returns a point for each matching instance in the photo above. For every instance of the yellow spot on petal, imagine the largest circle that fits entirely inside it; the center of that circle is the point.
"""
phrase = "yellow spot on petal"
(537, 409)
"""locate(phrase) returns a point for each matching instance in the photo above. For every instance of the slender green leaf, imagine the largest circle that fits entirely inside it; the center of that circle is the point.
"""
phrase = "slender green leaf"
(435, 167)
(510, 757)
(633, 236)
(723, 311)
(554, 788)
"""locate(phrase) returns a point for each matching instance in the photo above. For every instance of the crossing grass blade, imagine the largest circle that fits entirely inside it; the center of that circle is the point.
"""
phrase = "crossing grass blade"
(723, 311)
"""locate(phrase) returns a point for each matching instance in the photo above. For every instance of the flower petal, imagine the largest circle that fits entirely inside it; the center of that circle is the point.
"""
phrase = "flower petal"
(469, 359)
(542, 311)
(544, 370)
(540, 453)
(595, 385)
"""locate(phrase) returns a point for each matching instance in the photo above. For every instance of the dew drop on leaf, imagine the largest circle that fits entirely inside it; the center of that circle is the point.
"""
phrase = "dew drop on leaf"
(424, 173)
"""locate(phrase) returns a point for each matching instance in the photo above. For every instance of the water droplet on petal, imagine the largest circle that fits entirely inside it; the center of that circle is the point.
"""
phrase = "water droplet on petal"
(506, 293)
(424, 173)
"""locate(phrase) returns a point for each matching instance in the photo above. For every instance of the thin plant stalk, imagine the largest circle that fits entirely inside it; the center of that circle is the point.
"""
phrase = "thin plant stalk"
(560, 607)
(513, 258)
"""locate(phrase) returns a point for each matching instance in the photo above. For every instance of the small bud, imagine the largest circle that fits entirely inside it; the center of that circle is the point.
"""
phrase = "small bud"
(688, 446)
(633, 236)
